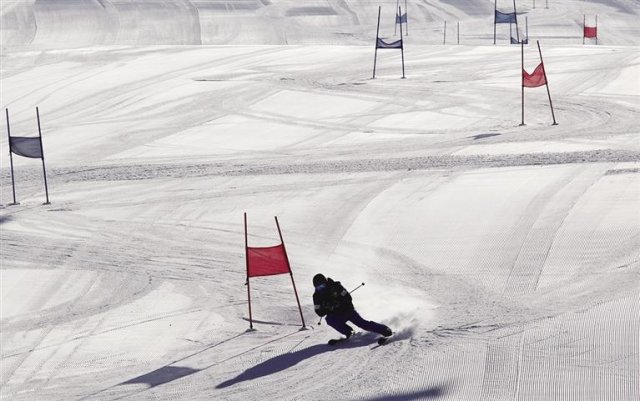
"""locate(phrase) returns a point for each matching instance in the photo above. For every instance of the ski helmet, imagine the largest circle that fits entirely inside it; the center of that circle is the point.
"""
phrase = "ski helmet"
(319, 279)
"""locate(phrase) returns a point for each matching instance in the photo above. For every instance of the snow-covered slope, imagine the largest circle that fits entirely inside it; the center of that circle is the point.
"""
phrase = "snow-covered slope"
(505, 257)
(61, 23)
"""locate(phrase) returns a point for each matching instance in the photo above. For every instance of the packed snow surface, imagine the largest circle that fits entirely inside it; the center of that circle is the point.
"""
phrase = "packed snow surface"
(505, 257)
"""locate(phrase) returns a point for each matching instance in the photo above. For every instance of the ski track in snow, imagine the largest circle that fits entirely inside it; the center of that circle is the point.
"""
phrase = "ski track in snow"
(506, 258)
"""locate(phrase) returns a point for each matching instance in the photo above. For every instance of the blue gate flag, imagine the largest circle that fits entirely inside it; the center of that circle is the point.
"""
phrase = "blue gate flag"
(514, 41)
(26, 146)
(381, 44)
(400, 19)
(502, 18)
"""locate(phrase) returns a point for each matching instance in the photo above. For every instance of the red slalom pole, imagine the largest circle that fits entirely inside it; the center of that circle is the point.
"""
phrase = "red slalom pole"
(246, 253)
(290, 272)
(544, 70)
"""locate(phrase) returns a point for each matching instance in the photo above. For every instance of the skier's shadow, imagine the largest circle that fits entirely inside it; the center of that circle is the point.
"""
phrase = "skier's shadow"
(285, 361)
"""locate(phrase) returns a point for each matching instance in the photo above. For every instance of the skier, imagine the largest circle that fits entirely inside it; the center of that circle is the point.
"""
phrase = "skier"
(332, 300)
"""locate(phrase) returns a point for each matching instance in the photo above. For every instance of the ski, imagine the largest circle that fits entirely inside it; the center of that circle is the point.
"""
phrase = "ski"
(335, 341)
(383, 340)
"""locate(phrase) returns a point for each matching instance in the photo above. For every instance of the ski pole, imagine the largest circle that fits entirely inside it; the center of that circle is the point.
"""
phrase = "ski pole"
(356, 288)
(322, 317)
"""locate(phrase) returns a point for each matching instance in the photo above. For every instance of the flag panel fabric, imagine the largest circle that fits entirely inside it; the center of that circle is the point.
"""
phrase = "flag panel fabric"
(267, 261)
(514, 41)
(590, 32)
(26, 146)
(400, 19)
(381, 44)
(505, 18)
(535, 79)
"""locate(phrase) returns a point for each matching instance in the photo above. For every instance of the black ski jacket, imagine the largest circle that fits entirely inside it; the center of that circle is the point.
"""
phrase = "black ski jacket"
(332, 298)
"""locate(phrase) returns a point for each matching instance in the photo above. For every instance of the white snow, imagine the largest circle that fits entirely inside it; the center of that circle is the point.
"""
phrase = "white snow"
(506, 258)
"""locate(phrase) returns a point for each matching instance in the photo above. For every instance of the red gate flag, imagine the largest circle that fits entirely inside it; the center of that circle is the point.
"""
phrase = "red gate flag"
(590, 31)
(267, 261)
(535, 79)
